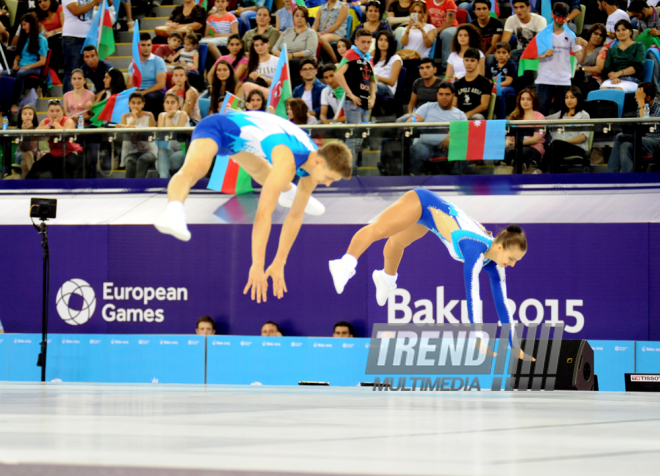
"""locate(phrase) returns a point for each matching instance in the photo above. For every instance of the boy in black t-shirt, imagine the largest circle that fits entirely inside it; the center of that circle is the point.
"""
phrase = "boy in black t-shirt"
(355, 76)
(473, 90)
(508, 70)
(491, 28)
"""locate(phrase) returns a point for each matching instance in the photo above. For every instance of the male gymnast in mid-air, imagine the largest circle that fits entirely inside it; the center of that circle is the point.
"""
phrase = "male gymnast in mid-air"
(272, 151)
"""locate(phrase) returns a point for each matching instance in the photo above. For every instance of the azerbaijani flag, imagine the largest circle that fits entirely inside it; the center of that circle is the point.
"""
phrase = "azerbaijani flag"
(137, 63)
(495, 9)
(100, 33)
(280, 88)
(468, 140)
(340, 109)
(201, 3)
(541, 43)
(230, 102)
(297, 3)
(497, 87)
(228, 177)
(111, 109)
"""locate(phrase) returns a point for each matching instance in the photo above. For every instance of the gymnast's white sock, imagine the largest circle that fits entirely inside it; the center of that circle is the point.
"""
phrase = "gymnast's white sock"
(389, 279)
(349, 261)
(291, 193)
(175, 207)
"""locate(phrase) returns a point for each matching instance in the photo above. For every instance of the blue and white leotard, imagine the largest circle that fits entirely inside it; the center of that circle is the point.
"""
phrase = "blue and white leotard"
(256, 132)
(468, 244)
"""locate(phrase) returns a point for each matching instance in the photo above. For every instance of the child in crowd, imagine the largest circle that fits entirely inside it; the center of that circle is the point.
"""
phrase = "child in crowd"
(219, 26)
(27, 151)
(188, 57)
(170, 158)
(137, 156)
(508, 71)
(174, 42)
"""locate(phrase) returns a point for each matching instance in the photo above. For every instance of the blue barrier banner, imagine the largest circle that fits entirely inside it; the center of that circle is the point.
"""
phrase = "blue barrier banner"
(4, 357)
(647, 355)
(612, 359)
(286, 360)
(109, 358)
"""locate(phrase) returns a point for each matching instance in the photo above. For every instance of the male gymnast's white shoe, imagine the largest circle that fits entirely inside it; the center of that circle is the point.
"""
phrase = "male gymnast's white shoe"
(340, 274)
(383, 291)
(314, 207)
(173, 222)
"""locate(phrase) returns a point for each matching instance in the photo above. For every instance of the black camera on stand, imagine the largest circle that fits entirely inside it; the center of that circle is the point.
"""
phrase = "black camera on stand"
(43, 209)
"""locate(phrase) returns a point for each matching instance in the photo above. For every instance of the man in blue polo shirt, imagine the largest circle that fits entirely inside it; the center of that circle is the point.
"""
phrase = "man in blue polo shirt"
(154, 75)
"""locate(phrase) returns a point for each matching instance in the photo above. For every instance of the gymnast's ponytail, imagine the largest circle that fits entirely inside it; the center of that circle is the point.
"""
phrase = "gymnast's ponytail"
(513, 236)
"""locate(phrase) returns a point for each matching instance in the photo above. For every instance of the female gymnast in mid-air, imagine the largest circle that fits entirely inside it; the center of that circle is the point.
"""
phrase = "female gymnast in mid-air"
(409, 219)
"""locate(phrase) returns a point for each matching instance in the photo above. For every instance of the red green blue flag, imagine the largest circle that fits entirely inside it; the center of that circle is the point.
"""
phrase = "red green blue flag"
(469, 139)
(111, 109)
(137, 62)
(101, 34)
(297, 3)
(201, 3)
(497, 87)
(340, 109)
(541, 43)
(228, 177)
(230, 102)
(280, 88)
(494, 9)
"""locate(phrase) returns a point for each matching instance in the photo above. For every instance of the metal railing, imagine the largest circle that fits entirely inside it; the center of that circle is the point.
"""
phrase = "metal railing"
(388, 143)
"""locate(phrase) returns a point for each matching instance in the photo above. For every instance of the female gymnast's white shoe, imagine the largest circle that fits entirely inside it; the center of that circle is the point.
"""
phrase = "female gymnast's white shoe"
(383, 291)
(173, 222)
(314, 207)
(340, 274)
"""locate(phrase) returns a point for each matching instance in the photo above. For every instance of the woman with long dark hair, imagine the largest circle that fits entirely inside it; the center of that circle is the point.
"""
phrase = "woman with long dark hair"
(187, 94)
(567, 143)
(527, 109)
(51, 17)
(224, 82)
(467, 36)
(255, 101)
(261, 64)
(31, 53)
(113, 83)
(387, 64)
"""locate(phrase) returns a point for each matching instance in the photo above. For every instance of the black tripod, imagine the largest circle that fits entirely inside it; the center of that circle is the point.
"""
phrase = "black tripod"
(41, 361)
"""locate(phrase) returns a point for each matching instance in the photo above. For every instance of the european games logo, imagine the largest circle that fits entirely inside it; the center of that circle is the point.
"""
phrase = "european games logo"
(80, 288)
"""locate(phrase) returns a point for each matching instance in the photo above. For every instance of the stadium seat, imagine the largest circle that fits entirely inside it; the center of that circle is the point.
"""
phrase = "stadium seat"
(204, 105)
(461, 16)
(603, 96)
(490, 112)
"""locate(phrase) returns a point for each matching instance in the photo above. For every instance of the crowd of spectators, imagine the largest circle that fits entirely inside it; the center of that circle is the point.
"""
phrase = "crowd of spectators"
(206, 326)
(446, 62)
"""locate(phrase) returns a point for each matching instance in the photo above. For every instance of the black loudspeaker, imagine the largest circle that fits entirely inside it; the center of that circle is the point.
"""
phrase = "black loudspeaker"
(574, 367)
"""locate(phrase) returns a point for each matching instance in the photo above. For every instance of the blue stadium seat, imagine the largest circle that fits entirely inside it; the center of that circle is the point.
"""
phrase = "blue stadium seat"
(204, 105)
(617, 96)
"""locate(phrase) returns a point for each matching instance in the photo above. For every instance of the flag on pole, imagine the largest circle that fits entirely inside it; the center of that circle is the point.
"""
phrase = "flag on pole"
(111, 109)
(297, 3)
(201, 3)
(137, 63)
(231, 102)
(280, 88)
(101, 34)
(541, 43)
(469, 139)
(228, 177)
(340, 110)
